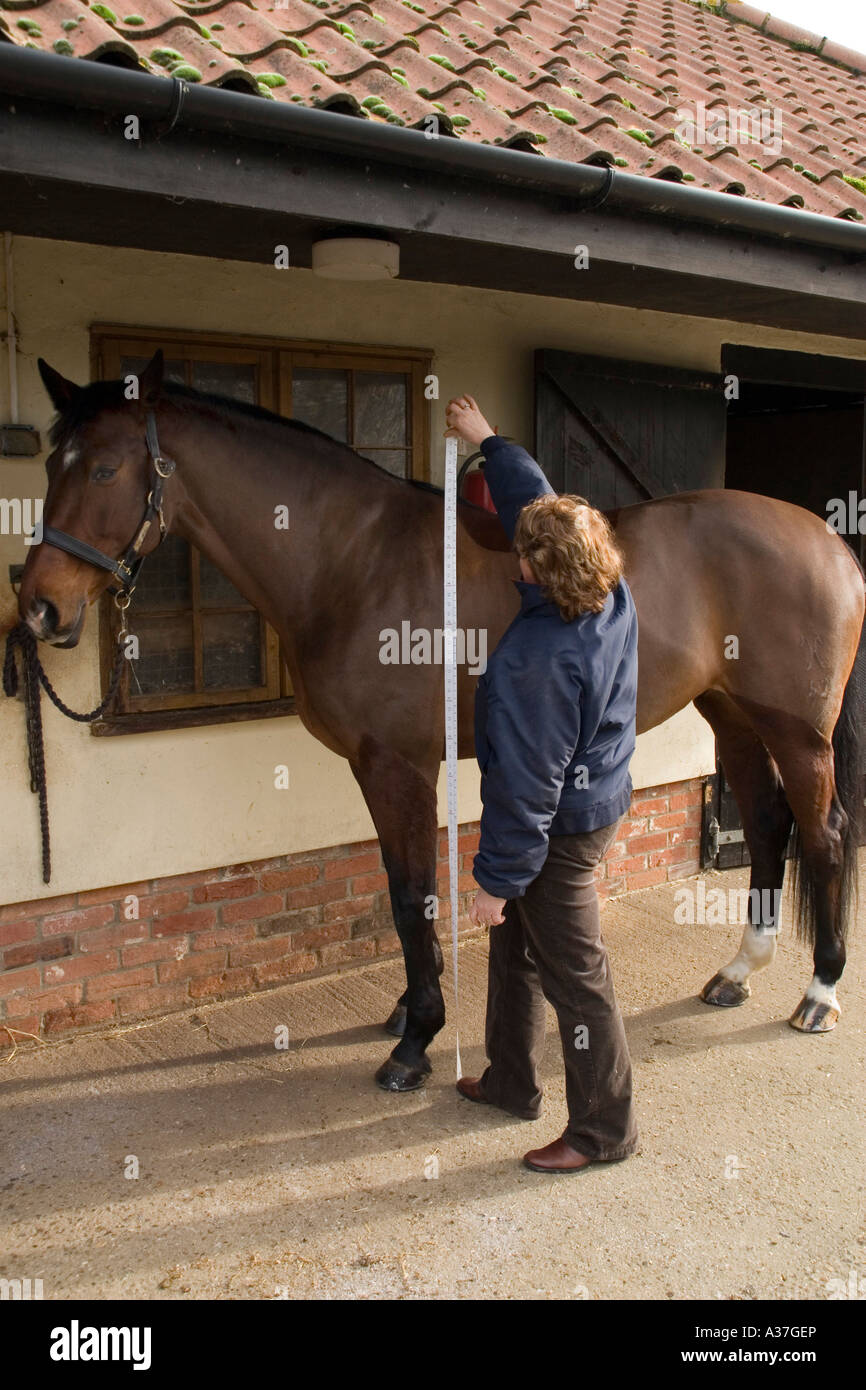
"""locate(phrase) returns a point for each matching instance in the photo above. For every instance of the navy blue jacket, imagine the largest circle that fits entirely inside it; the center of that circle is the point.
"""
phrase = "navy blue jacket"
(554, 711)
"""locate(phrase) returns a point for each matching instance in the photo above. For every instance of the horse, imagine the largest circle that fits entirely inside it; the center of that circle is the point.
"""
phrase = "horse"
(749, 607)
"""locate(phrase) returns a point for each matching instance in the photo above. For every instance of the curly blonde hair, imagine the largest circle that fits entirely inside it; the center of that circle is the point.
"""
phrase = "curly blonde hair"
(571, 549)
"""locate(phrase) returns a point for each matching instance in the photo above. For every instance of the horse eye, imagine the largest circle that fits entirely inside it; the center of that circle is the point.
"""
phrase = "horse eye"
(102, 475)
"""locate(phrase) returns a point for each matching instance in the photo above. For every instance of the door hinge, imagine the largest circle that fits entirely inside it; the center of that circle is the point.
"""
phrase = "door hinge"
(716, 837)
(731, 837)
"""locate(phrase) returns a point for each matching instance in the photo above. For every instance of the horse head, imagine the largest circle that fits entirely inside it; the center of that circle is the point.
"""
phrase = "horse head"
(99, 482)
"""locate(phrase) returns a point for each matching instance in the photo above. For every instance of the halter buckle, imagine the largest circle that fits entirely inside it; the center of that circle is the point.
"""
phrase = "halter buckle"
(164, 466)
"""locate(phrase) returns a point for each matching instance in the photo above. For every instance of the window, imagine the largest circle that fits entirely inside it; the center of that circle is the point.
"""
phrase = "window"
(205, 654)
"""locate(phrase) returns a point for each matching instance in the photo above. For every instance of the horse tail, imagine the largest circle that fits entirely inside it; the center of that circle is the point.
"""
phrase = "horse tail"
(849, 745)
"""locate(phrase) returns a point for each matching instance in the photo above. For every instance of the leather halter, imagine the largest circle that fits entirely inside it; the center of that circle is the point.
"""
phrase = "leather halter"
(126, 569)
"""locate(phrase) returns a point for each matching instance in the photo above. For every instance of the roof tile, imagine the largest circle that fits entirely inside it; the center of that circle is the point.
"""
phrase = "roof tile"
(600, 81)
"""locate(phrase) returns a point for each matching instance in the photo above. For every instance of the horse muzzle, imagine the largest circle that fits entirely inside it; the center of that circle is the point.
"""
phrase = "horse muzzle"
(43, 621)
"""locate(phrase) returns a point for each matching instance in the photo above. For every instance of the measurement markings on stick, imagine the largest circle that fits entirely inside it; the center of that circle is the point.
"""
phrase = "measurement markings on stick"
(450, 669)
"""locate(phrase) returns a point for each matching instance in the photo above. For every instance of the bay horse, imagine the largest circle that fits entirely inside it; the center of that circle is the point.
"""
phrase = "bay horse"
(748, 607)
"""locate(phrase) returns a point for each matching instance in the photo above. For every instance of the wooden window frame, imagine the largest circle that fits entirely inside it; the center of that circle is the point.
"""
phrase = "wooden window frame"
(274, 358)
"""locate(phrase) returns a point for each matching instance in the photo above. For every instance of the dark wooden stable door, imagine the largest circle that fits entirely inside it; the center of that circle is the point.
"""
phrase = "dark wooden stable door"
(622, 432)
(619, 432)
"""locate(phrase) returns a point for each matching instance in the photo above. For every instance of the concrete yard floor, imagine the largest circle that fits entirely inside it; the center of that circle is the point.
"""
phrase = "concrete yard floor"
(266, 1173)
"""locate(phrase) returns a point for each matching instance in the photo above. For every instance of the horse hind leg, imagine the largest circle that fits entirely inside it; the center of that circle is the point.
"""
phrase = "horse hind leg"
(819, 886)
(767, 818)
(403, 806)
(825, 848)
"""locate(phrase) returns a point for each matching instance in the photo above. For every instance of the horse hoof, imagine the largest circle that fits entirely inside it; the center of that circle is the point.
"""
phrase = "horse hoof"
(395, 1027)
(399, 1076)
(814, 1016)
(725, 993)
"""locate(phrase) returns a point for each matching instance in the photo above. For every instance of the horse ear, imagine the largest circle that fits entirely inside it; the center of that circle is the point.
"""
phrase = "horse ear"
(150, 381)
(61, 391)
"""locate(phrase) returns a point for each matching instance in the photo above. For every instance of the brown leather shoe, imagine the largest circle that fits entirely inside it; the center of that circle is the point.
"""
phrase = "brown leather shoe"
(558, 1157)
(470, 1087)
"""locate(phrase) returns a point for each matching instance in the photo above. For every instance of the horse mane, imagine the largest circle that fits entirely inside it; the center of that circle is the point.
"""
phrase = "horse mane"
(255, 412)
(101, 395)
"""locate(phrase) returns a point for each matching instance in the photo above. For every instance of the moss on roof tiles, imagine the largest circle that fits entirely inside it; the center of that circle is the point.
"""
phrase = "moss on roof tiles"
(165, 57)
(512, 43)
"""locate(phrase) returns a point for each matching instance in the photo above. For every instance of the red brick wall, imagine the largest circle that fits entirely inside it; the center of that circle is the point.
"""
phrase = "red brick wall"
(659, 841)
(77, 961)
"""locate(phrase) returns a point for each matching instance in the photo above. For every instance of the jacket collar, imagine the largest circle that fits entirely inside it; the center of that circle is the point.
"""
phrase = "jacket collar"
(531, 596)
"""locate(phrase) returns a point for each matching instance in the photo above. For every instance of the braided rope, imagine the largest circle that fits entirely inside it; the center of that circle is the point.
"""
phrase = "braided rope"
(21, 639)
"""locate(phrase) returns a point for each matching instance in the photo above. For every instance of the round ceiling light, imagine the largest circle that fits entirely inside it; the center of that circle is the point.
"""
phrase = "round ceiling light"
(356, 258)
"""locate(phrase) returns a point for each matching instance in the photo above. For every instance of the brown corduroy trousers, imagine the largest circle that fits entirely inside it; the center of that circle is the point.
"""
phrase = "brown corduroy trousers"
(550, 947)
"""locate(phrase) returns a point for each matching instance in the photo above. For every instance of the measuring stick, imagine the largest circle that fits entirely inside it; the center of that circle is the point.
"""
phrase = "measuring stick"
(450, 668)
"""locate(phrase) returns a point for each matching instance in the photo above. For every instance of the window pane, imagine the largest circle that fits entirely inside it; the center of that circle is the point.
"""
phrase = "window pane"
(165, 664)
(320, 397)
(231, 650)
(214, 588)
(394, 460)
(175, 369)
(165, 579)
(380, 409)
(235, 379)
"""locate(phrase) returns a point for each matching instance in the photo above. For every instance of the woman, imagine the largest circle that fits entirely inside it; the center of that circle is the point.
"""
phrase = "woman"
(554, 733)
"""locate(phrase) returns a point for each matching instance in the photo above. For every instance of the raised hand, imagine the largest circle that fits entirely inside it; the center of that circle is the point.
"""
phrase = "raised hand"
(465, 421)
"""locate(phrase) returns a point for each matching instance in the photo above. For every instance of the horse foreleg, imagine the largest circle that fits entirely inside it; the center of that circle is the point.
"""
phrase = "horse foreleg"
(395, 1023)
(402, 803)
(767, 818)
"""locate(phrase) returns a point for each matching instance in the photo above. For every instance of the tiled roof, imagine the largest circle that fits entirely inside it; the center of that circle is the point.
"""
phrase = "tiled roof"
(661, 88)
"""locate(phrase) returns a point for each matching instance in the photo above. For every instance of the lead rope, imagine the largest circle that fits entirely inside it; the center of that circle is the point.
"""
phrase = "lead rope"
(450, 653)
(21, 639)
